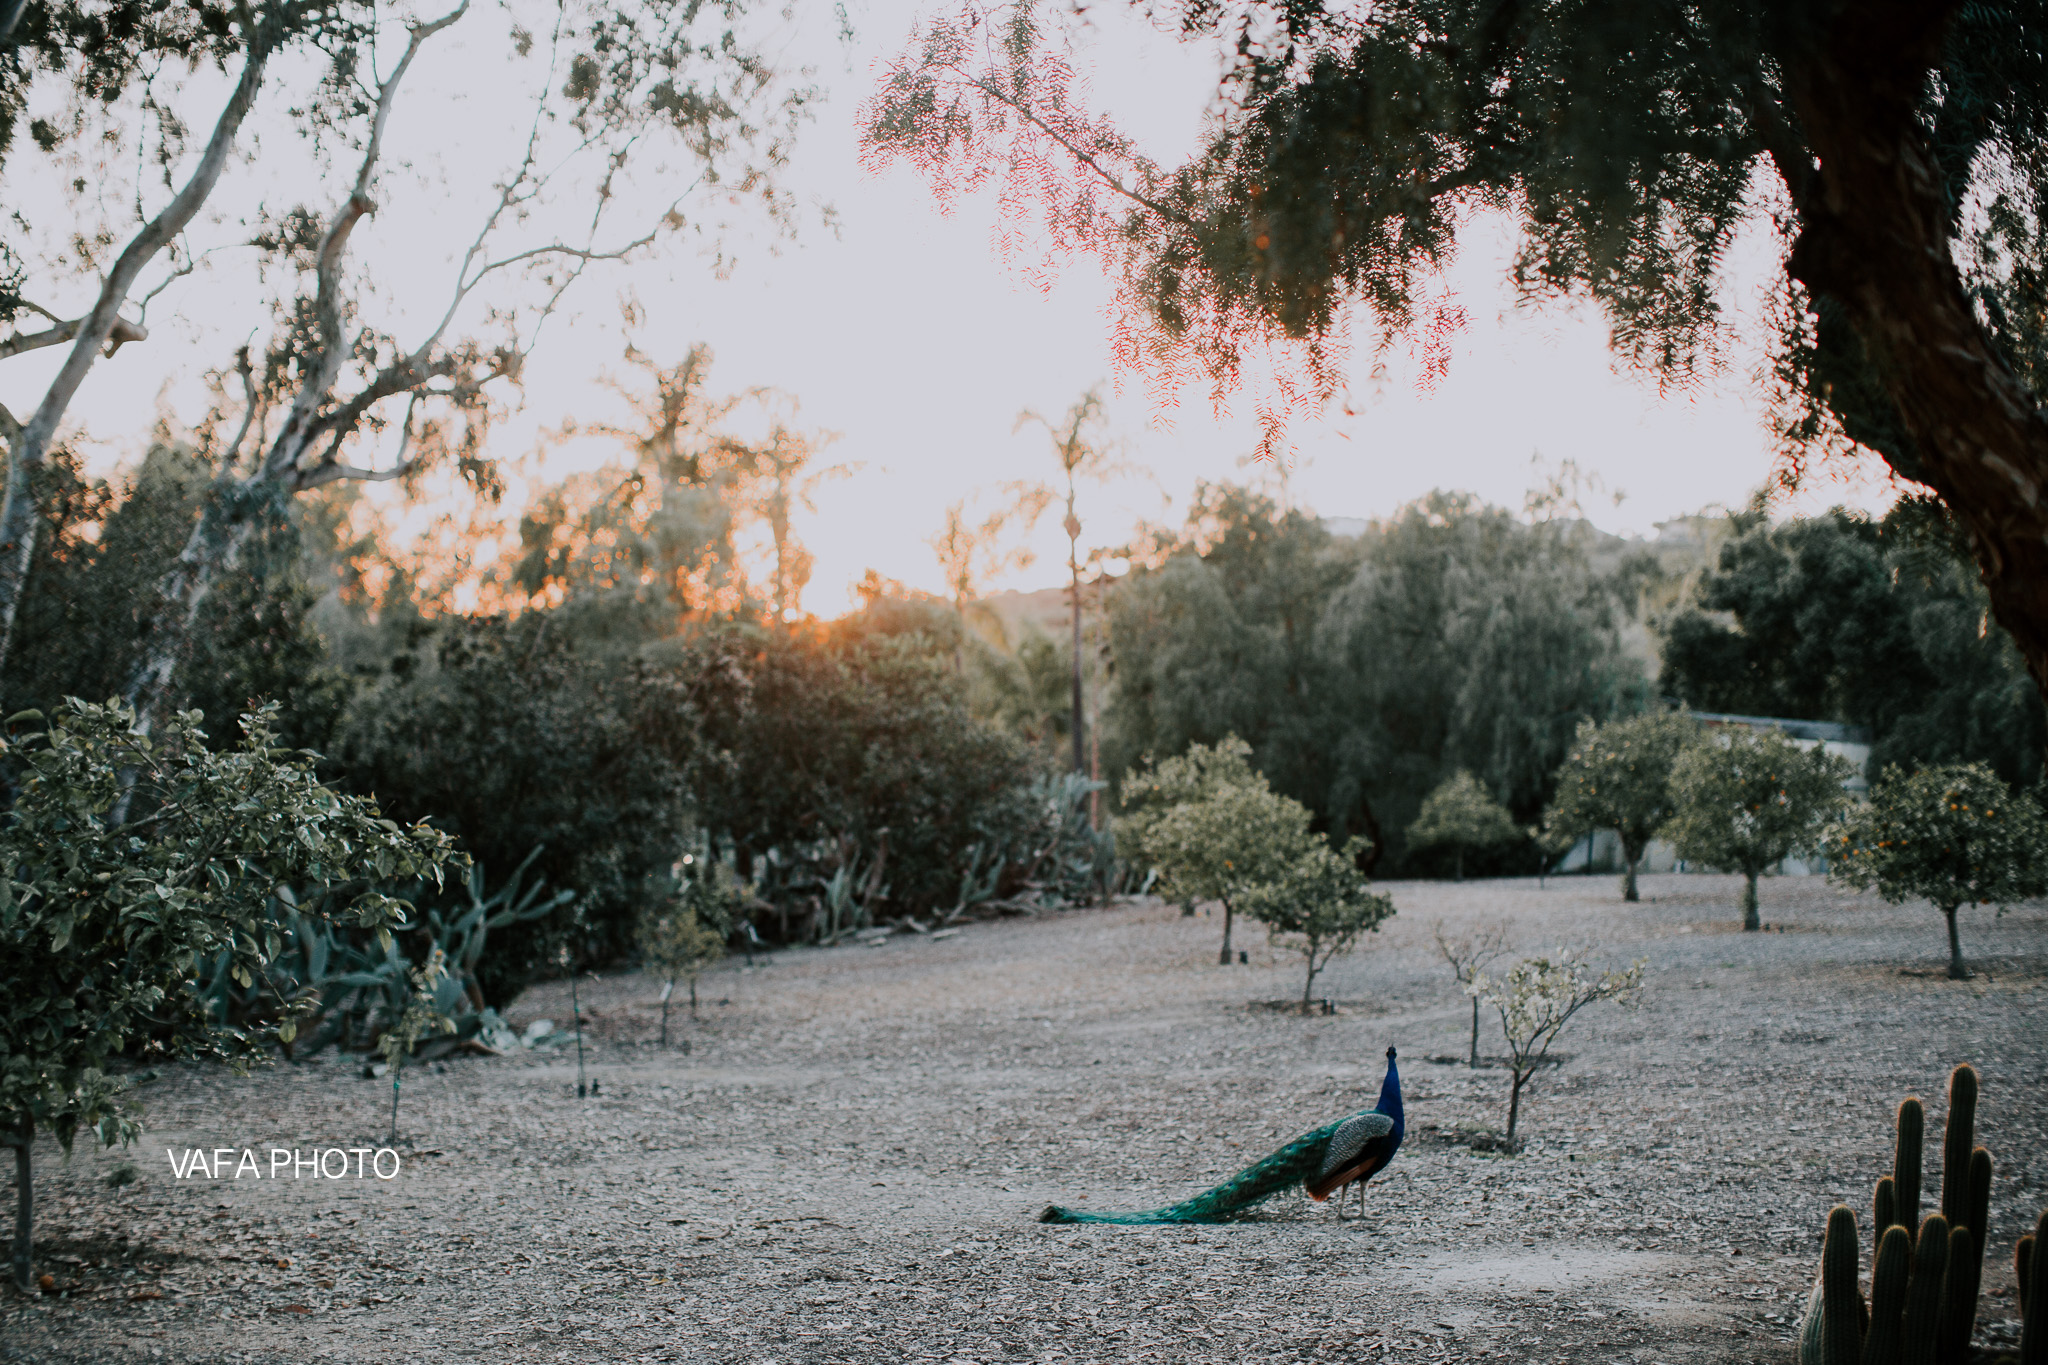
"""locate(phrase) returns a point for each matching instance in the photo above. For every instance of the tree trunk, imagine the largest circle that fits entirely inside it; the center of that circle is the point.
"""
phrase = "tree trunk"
(1074, 564)
(1515, 1100)
(1223, 958)
(1309, 985)
(214, 547)
(693, 997)
(1628, 878)
(1874, 236)
(1460, 863)
(1956, 970)
(1475, 1030)
(668, 988)
(22, 513)
(24, 1212)
(397, 1070)
(1749, 915)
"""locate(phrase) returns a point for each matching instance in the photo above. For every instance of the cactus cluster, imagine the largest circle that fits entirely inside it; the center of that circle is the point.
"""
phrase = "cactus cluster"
(1924, 1275)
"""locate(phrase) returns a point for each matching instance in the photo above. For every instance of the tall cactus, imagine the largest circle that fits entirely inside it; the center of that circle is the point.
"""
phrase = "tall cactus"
(1924, 1276)
(1923, 1295)
(1841, 1330)
(2030, 1262)
(1884, 1344)
(1958, 1136)
(1912, 1126)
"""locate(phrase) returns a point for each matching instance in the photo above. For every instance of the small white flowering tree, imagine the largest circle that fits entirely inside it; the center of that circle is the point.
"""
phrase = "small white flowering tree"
(1537, 997)
(1469, 955)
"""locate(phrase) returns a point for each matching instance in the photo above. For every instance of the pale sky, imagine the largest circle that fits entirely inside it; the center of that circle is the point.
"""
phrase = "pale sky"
(904, 333)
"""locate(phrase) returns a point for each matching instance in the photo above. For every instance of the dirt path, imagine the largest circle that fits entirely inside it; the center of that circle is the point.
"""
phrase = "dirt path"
(847, 1165)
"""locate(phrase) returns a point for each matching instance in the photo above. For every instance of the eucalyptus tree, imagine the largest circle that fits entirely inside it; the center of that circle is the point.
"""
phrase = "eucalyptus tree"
(1892, 153)
(617, 88)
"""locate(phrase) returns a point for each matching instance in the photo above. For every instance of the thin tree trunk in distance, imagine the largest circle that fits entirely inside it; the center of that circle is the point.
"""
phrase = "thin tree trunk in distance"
(1475, 1030)
(24, 1211)
(1515, 1100)
(1223, 958)
(1628, 880)
(1750, 921)
(1074, 564)
(1956, 970)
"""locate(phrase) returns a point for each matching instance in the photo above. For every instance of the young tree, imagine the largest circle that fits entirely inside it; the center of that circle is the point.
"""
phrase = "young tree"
(1464, 815)
(1618, 776)
(686, 933)
(1319, 904)
(1352, 142)
(102, 925)
(1222, 829)
(1952, 835)
(1536, 998)
(420, 1017)
(1746, 801)
(1469, 955)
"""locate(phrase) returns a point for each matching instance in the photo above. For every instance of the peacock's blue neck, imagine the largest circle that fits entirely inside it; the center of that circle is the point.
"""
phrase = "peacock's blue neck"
(1390, 1099)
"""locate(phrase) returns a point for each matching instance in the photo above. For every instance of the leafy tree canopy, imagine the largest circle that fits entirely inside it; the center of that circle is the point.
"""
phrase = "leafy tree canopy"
(1953, 835)
(1618, 776)
(1746, 801)
(1364, 671)
(1462, 814)
(104, 922)
(1319, 905)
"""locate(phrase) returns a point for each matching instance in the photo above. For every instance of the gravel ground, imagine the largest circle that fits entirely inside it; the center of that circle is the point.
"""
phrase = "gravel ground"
(848, 1162)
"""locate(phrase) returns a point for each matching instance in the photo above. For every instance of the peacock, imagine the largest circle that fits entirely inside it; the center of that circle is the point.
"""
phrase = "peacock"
(1332, 1157)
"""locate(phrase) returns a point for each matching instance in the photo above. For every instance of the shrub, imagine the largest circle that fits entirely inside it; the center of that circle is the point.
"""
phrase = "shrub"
(1536, 998)
(1461, 815)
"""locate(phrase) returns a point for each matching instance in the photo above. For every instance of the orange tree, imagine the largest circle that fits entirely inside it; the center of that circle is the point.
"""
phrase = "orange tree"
(1953, 835)
(103, 922)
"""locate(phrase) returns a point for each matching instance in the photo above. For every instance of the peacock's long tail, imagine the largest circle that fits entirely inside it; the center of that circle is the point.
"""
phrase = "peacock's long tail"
(1293, 1164)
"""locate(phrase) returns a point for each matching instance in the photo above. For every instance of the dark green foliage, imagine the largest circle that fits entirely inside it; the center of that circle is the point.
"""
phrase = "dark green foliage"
(854, 740)
(1912, 1123)
(1842, 1307)
(1954, 836)
(1890, 1273)
(1884, 625)
(508, 736)
(1365, 672)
